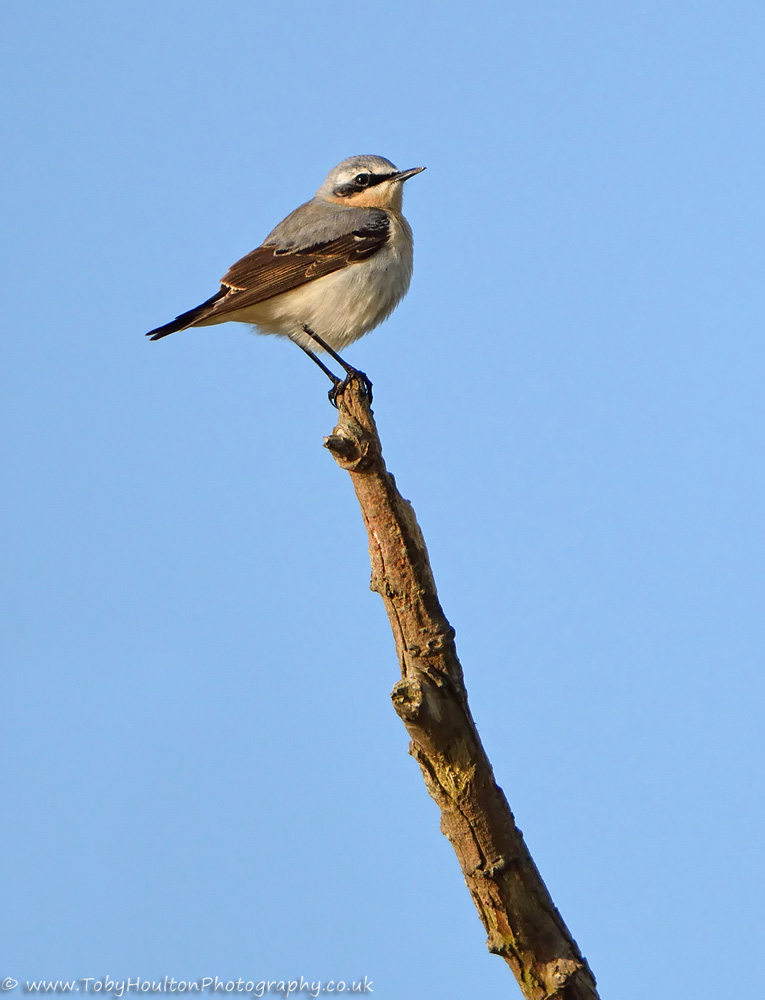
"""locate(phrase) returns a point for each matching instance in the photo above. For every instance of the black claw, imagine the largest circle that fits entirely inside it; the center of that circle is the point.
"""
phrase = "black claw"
(367, 383)
(339, 387)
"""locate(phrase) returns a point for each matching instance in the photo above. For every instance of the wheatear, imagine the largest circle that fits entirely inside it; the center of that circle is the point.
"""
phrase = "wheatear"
(330, 272)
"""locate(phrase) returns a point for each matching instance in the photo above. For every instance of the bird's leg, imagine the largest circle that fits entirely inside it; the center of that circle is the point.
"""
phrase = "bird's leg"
(338, 386)
(330, 375)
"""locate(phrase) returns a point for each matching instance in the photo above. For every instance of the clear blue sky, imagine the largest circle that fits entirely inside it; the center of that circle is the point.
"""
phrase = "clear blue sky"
(204, 774)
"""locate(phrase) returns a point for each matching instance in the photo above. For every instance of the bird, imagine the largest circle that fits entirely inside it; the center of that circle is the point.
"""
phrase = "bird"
(330, 272)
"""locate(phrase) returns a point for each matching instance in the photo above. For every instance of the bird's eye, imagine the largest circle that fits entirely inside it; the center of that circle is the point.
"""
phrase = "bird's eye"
(362, 180)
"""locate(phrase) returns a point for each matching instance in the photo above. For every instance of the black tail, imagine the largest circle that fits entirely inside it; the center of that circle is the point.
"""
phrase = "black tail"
(189, 318)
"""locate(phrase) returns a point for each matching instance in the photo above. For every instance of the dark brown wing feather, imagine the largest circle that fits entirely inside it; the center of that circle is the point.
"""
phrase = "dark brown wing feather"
(269, 270)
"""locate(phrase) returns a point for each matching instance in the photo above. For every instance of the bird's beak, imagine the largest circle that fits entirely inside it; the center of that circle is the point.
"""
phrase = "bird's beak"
(404, 175)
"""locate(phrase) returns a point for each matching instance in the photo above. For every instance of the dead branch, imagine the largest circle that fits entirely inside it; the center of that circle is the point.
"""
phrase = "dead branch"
(521, 920)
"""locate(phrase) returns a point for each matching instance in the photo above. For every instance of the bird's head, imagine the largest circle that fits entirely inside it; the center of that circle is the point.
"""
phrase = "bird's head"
(366, 182)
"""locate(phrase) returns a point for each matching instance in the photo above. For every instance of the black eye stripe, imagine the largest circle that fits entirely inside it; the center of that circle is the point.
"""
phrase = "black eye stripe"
(345, 190)
(377, 179)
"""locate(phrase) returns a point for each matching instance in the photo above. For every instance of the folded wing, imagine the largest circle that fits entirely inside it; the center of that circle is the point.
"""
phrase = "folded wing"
(272, 270)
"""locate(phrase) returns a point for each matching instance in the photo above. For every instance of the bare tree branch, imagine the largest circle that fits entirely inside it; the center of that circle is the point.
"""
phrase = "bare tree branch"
(522, 922)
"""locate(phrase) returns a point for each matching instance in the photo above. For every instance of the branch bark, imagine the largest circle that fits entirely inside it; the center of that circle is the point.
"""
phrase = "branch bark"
(521, 920)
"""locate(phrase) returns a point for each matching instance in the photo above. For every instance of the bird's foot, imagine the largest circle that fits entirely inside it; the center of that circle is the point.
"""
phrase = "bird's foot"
(339, 386)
